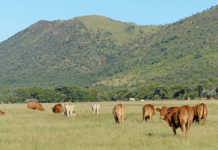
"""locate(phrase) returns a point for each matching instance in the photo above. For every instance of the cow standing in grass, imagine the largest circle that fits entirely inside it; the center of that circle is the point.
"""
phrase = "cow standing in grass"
(119, 113)
(69, 109)
(200, 112)
(35, 106)
(179, 117)
(95, 108)
(148, 111)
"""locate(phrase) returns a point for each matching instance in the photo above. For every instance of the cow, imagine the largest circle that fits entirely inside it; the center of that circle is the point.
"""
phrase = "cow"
(2, 113)
(69, 109)
(57, 108)
(200, 113)
(35, 106)
(119, 113)
(181, 117)
(95, 108)
(147, 112)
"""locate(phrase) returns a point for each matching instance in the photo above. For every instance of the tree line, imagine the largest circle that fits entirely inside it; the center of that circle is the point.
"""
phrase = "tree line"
(80, 94)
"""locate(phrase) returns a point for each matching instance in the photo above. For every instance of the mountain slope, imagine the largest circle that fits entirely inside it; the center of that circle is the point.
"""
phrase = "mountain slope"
(183, 52)
(95, 50)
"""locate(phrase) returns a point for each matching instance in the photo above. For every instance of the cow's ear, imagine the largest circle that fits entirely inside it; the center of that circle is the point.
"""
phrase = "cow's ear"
(158, 109)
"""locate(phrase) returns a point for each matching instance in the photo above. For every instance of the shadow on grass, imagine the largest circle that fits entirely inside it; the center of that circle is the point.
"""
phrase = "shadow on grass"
(150, 134)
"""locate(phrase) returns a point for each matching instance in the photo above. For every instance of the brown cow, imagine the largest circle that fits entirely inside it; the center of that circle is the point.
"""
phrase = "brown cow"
(57, 108)
(119, 113)
(181, 117)
(2, 113)
(35, 106)
(147, 112)
(200, 112)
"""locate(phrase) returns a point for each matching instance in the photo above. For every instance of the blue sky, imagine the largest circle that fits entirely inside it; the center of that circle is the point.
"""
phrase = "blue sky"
(17, 15)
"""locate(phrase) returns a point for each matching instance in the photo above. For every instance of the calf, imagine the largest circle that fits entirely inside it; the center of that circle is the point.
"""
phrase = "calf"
(119, 113)
(57, 108)
(147, 112)
(180, 117)
(200, 113)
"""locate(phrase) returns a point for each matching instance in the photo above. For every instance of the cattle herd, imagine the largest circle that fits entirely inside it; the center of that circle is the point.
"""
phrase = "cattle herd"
(176, 117)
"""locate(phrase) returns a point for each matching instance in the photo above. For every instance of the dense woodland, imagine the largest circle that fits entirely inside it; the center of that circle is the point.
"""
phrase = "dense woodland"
(94, 58)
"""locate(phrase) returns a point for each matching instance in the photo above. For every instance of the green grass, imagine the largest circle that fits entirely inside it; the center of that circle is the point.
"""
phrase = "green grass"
(24, 129)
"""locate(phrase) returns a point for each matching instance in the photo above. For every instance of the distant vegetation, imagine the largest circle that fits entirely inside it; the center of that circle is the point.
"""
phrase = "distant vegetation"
(98, 52)
(78, 94)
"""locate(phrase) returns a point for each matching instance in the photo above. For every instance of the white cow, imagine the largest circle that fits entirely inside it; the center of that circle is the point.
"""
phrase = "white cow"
(95, 108)
(69, 109)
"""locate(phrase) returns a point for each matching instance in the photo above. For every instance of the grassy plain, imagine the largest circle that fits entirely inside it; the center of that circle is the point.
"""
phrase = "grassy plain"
(23, 129)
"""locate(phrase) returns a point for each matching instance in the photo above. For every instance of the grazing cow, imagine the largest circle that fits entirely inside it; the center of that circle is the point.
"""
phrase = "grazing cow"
(2, 113)
(147, 112)
(200, 112)
(35, 106)
(69, 109)
(57, 108)
(95, 108)
(119, 113)
(181, 117)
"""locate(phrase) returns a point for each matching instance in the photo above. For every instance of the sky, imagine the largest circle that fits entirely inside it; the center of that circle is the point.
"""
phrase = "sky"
(16, 15)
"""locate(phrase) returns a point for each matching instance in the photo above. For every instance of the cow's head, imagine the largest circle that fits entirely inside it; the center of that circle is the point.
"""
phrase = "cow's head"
(163, 111)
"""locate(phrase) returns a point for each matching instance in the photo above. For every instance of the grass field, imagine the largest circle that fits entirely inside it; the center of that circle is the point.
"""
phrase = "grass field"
(24, 129)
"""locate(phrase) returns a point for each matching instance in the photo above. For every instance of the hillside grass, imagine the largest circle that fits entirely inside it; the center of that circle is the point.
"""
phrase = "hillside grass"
(24, 129)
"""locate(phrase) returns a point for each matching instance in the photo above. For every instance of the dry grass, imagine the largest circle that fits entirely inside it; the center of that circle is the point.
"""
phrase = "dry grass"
(24, 129)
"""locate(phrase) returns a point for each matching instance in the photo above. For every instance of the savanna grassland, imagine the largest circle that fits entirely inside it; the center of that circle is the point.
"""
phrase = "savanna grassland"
(24, 129)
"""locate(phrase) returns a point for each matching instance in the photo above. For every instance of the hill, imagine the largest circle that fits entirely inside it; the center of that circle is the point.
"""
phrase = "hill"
(98, 51)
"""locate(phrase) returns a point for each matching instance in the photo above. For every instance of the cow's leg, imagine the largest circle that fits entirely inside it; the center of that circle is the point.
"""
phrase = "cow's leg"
(199, 119)
(188, 126)
(121, 118)
(116, 119)
(68, 113)
(71, 112)
(182, 122)
(150, 117)
(204, 119)
(174, 130)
